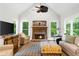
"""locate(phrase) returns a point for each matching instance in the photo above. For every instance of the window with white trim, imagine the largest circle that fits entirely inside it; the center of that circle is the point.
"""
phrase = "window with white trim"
(68, 26)
(72, 26)
(25, 28)
(14, 27)
(53, 28)
(76, 26)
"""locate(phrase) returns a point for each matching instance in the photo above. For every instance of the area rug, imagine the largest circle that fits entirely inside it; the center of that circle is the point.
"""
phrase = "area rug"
(31, 49)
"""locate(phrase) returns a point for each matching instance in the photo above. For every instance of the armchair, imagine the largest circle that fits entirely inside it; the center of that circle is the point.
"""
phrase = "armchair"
(6, 50)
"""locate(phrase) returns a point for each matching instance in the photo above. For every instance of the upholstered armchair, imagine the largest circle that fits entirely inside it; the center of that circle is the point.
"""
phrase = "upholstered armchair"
(23, 38)
(6, 50)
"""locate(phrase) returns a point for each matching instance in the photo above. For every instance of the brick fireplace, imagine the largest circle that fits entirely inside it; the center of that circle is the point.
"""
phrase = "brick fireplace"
(39, 30)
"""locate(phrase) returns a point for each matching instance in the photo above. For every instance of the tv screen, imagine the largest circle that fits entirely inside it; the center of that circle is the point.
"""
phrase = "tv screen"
(6, 28)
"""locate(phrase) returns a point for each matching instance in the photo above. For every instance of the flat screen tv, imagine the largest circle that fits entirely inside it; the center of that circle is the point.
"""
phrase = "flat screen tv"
(6, 28)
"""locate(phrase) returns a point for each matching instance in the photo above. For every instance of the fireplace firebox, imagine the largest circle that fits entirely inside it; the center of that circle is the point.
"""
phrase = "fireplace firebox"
(39, 36)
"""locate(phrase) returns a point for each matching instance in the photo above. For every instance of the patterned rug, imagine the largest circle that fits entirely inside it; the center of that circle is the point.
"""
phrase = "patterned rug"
(31, 49)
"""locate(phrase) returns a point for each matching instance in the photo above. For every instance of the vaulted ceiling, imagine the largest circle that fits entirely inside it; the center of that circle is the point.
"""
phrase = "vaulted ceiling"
(12, 9)
(65, 9)
(15, 9)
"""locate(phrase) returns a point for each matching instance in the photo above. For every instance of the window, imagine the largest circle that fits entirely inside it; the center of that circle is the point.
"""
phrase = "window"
(15, 27)
(53, 28)
(25, 28)
(68, 28)
(72, 27)
(76, 26)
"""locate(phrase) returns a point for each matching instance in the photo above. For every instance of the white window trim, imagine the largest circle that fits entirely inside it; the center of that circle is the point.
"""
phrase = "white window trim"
(71, 26)
(57, 27)
(22, 26)
(16, 26)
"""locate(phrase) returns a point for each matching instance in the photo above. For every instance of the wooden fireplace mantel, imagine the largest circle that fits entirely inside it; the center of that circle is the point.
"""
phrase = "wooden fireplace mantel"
(38, 28)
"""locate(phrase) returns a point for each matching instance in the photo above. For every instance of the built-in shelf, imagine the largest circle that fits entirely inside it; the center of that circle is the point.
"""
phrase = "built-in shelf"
(39, 23)
(39, 26)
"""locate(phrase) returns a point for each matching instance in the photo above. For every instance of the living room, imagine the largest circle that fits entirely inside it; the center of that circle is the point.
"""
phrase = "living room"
(39, 29)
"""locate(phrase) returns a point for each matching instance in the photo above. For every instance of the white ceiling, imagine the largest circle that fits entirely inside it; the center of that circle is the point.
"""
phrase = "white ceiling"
(15, 9)
(12, 9)
(65, 9)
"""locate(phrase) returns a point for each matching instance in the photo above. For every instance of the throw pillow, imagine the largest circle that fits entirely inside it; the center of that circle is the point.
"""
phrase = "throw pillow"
(1, 40)
(24, 36)
(70, 39)
(77, 41)
(78, 44)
